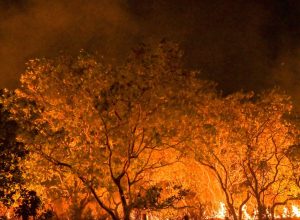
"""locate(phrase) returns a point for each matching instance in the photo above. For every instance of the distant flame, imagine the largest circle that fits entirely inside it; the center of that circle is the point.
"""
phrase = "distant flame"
(221, 214)
(246, 214)
(295, 211)
(8, 215)
(287, 212)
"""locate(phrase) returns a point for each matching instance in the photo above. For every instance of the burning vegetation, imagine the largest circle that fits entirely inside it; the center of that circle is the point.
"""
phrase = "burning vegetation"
(147, 139)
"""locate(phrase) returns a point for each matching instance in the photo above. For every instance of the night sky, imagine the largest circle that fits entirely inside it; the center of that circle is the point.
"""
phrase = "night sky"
(240, 44)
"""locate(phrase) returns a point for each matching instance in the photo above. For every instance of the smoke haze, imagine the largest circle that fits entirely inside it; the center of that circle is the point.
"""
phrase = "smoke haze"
(249, 45)
(43, 28)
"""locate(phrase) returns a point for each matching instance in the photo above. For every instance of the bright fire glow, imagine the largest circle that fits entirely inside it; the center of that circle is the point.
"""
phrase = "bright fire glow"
(287, 212)
(8, 215)
(221, 214)
(295, 211)
(246, 214)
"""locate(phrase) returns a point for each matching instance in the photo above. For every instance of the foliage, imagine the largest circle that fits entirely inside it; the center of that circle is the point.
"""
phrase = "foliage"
(11, 152)
(109, 127)
(152, 198)
(244, 142)
(29, 204)
(148, 135)
(293, 154)
(13, 192)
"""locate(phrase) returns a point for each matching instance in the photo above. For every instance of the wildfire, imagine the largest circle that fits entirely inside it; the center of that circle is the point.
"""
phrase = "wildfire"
(292, 211)
(285, 213)
(246, 215)
(295, 211)
(221, 214)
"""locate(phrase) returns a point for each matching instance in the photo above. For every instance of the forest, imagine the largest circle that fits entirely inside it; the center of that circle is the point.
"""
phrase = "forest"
(144, 139)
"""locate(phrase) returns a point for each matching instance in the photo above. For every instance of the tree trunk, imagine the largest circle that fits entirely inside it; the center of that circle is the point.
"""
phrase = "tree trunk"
(261, 211)
(240, 217)
(127, 215)
(233, 213)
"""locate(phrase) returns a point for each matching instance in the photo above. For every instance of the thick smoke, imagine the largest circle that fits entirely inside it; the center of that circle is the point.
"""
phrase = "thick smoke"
(286, 71)
(249, 45)
(43, 28)
(222, 38)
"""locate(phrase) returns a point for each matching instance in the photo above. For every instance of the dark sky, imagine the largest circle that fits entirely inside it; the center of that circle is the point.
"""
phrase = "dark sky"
(241, 44)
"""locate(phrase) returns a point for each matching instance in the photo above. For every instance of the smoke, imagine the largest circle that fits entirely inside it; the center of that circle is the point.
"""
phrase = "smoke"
(239, 44)
(43, 28)
(286, 74)
(286, 71)
(224, 39)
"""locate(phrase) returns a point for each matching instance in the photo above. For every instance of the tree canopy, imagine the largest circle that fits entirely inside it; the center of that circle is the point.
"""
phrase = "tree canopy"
(244, 142)
(11, 152)
(110, 127)
(147, 135)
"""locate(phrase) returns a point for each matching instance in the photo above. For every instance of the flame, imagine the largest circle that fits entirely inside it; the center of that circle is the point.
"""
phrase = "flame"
(221, 214)
(246, 214)
(285, 212)
(295, 211)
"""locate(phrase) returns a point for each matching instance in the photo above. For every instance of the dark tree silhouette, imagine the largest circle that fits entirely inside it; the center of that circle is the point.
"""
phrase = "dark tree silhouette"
(29, 204)
(11, 180)
(11, 152)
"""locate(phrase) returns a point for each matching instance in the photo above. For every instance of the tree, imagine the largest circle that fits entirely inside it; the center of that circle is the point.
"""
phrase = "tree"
(218, 147)
(109, 127)
(244, 142)
(293, 153)
(13, 192)
(265, 165)
(11, 152)
(29, 204)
